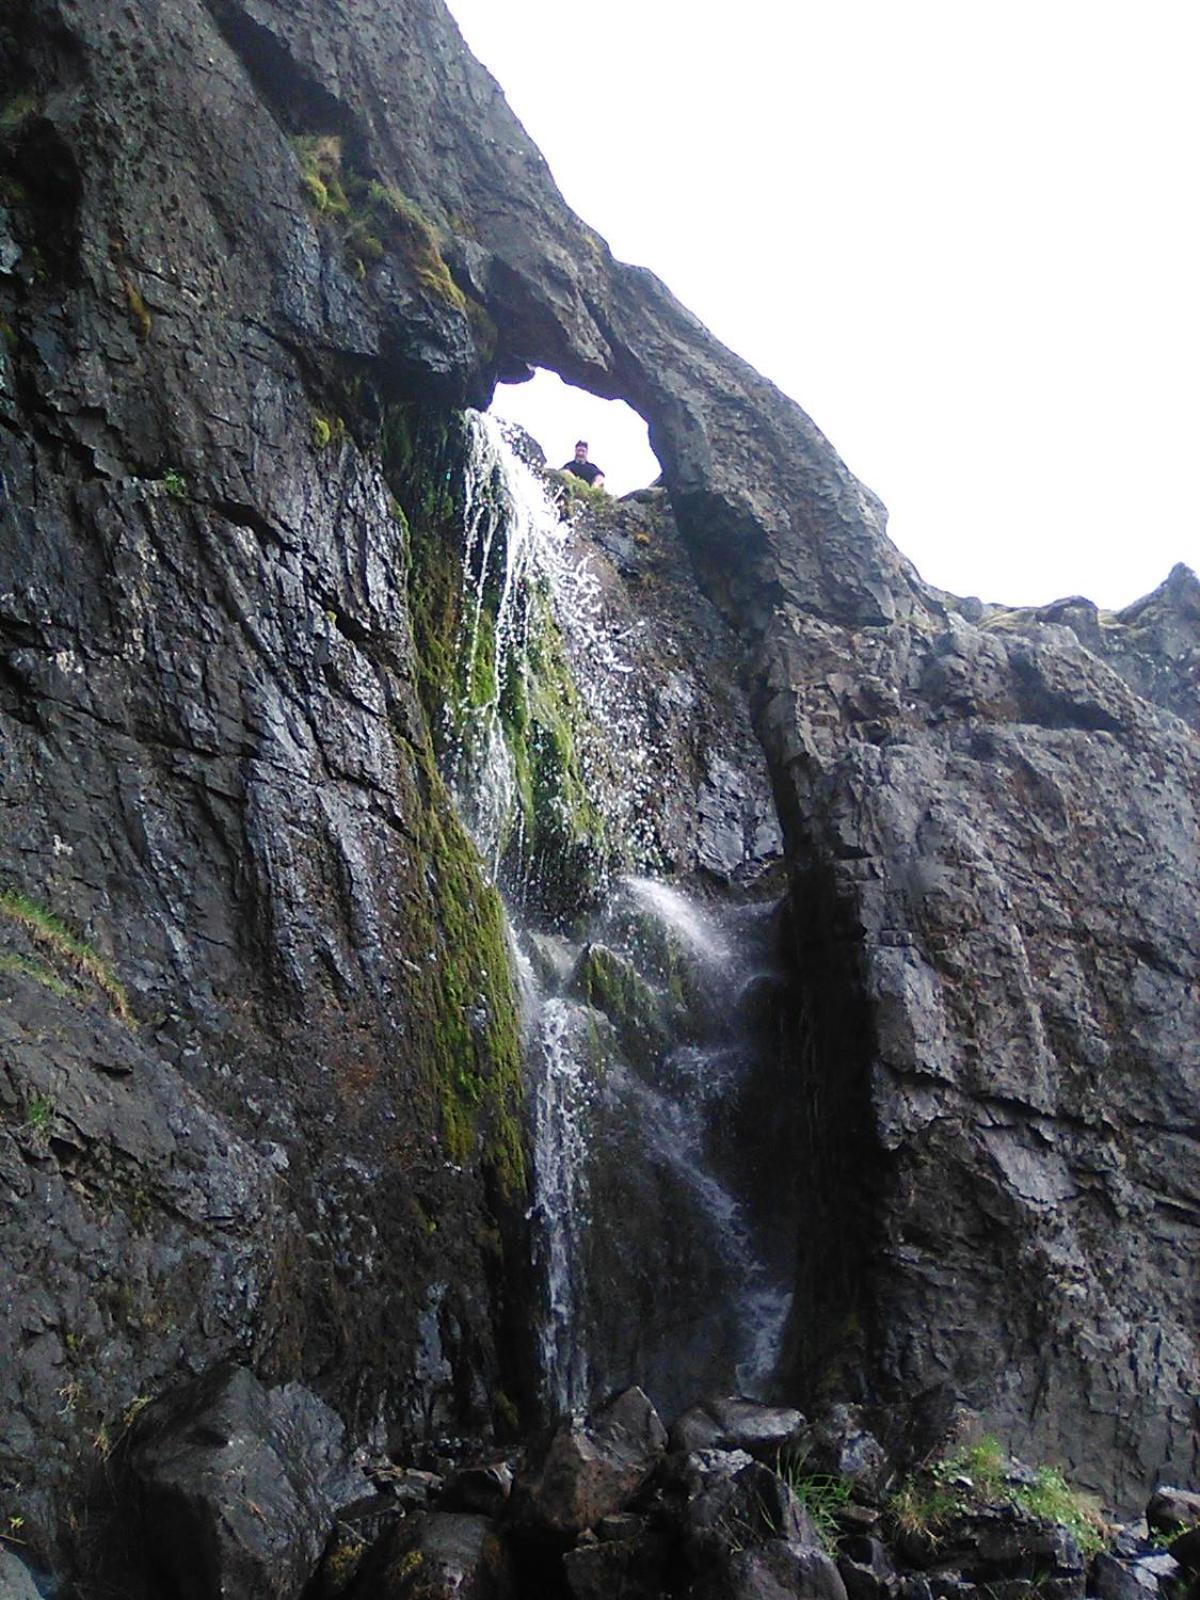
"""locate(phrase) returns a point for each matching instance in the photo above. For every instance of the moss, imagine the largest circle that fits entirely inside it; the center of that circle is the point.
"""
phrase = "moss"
(611, 984)
(465, 1001)
(46, 930)
(327, 431)
(16, 110)
(341, 1561)
(139, 312)
(320, 160)
(39, 1114)
(508, 1418)
(576, 489)
(407, 1567)
(556, 847)
(474, 1051)
(373, 216)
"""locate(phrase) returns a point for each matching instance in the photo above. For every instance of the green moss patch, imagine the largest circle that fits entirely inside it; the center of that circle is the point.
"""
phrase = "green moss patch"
(373, 218)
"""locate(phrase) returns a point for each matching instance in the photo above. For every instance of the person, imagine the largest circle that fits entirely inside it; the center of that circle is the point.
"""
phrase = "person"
(581, 467)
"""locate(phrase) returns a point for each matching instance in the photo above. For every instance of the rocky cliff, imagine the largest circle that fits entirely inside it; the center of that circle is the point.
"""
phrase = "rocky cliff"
(260, 1084)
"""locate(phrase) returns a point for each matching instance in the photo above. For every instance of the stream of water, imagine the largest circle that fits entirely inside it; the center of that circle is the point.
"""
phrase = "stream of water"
(644, 1029)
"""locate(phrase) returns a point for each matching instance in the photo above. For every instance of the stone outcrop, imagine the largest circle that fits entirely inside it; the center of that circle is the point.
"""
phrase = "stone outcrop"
(258, 1087)
(240, 1486)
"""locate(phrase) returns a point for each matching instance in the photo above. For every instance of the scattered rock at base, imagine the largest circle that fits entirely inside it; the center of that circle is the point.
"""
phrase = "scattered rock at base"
(777, 1569)
(733, 1422)
(1186, 1550)
(843, 1447)
(16, 1581)
(867, 1570)
(1173, 1510)
(635, 1568)
(483, 1488)
(438, 1555)
(592, 1468)
(240, 1486)
(739, 1509)
(1114, 1579)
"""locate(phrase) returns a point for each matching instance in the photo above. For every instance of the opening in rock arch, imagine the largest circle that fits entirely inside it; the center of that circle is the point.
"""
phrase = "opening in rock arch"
(557, 415)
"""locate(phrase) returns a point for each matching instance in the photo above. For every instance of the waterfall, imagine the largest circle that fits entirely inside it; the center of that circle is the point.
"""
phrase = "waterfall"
(646, 1014)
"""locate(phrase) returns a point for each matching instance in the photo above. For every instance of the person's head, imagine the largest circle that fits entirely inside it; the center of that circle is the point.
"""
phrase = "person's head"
(581, 449)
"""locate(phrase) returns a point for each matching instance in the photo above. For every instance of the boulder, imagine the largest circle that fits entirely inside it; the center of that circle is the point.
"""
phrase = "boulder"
(1114, 1579)
(734, 1422)
(438, 1555)
(775, 1570)
(240, 1486)
(1173, 1510)
(592, 1468)
(16, 1581)
(634, 1568)
(483, 1488)
(733, 1511)
(843, 1447)
(1186, 1550)
(866, 1569)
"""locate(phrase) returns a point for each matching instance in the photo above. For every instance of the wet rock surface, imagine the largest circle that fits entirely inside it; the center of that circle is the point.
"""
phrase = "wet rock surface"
(591, 1469)
(240, 1486)
(439, 1556)
(217, 775)
(16, 1581)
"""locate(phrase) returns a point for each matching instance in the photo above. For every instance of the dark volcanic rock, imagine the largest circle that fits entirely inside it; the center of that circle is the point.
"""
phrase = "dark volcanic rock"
(16, 1582)
(638, 1568)
(740, 1507)
(591, 1469)
(443, 1555)
(843, 1447)
(217, 770)
(240, 1487)
(1172, 1510)
(734, 1423)
(776, 1570)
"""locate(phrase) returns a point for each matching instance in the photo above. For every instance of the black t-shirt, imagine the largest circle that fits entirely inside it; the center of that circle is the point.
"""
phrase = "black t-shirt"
(587, 470)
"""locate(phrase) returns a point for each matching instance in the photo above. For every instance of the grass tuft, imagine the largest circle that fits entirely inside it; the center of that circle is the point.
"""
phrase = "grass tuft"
(982, 1474)
(822, 1496)
(47, 930)
(23, 967)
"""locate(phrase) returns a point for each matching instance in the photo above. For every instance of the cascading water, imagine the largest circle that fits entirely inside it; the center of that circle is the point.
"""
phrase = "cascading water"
(658, 1246)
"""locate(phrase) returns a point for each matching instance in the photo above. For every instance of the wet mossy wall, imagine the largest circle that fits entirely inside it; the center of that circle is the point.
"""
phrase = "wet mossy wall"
(554, 851)
(466, 1004)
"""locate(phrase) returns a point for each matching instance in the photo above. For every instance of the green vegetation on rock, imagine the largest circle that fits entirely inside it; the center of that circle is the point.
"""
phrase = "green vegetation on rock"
(462, 996)
(822, 1496)
(372, 218)
(611, 984)
(557, 837)
(63, 947)
(982, 1474)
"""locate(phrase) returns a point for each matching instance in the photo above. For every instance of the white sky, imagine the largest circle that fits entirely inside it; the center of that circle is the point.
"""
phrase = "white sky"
(963, 234)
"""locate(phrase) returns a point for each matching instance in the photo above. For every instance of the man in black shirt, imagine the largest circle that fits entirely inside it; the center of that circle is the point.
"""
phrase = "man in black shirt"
(581, 467)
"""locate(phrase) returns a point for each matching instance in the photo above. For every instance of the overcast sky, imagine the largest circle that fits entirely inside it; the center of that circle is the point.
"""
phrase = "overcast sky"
(961, 234)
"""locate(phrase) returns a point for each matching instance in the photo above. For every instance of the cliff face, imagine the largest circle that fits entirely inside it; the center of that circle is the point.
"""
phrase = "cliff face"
(235, 238)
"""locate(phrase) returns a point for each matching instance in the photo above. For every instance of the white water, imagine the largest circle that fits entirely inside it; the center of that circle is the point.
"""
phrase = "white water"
(521, 558)
(700, 932)
(517, 542)
(565, 1089)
